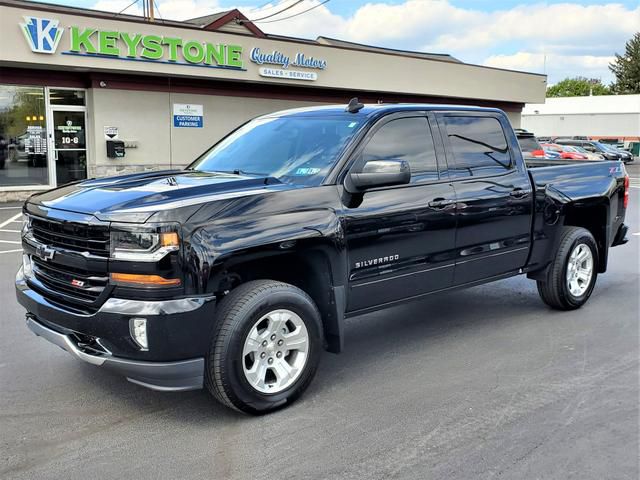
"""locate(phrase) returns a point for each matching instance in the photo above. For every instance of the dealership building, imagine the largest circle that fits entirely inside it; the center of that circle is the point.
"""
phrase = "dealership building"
(88, 94)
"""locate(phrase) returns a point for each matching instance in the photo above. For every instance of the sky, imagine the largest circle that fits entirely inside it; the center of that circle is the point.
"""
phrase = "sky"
(559, 38)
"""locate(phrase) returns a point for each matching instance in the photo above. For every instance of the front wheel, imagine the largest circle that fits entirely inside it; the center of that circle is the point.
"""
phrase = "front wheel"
(265, 348)
(572, 275)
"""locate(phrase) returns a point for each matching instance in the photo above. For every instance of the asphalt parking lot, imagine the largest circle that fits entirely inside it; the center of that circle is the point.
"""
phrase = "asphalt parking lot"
(483, 383)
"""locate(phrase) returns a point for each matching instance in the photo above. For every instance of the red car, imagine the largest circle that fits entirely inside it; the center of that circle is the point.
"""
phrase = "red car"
(565, 153)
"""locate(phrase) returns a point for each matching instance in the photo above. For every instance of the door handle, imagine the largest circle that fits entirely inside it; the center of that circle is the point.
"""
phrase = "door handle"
(518, 193)
(440, 203)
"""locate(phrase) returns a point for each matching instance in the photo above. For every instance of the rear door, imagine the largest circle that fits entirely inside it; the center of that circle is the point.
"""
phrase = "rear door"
(493, 193)
(400, 239)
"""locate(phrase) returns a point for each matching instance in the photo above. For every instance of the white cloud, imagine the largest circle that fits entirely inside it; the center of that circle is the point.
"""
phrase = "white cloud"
(556, 66)
(577, 39)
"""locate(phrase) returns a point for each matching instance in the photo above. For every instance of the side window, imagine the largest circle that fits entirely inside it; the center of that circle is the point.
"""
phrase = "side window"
(405, 139)
(478, 145)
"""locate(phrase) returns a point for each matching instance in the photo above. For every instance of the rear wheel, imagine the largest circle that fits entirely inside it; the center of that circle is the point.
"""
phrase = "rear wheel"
(266, 346)
(572, 275)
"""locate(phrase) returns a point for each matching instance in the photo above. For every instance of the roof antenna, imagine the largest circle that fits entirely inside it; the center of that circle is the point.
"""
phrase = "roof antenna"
(354, 106)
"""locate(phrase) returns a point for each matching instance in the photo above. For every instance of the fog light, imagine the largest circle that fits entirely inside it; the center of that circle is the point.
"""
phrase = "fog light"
(138, 329)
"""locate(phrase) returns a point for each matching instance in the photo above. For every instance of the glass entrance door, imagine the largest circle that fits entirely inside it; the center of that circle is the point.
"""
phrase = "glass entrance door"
(69, 153)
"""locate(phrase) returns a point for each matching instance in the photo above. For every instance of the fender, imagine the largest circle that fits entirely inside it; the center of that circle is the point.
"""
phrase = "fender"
(304, 247)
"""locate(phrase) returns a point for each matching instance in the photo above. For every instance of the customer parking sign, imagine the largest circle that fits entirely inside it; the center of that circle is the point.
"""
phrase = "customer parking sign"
(187, 115)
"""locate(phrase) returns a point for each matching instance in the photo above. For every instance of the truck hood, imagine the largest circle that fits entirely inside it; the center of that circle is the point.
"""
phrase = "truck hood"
(137, 197)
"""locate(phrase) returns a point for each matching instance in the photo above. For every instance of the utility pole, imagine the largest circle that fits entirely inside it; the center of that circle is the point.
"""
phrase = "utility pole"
(150, 10)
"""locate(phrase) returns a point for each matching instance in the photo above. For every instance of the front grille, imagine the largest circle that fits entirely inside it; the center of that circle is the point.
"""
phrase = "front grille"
(77, 237)
(76, 285)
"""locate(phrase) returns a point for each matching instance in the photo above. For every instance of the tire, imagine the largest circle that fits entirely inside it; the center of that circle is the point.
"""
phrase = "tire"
(241, 316)
(556, 290)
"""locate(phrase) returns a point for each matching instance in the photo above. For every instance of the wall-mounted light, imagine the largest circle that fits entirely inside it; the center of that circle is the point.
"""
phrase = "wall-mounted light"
(102, 84)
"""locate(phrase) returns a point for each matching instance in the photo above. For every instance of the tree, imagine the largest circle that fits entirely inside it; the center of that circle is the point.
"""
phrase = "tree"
(578, 87)
(626, 68)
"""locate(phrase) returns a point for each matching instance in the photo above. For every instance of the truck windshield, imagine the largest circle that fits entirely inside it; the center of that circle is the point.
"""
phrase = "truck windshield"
(295, 150)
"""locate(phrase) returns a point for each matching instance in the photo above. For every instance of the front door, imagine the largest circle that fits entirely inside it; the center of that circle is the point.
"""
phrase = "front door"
(400, 239)
(69, 152)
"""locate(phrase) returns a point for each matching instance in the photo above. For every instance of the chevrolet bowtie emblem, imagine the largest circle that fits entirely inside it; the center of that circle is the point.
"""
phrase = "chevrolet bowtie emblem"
(45, 253)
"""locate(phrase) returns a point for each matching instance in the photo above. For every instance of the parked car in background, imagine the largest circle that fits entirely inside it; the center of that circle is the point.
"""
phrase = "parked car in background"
(591, 146)
(550, 153)
(590, 155)
(529, 144)
(612, 142)
(626, 157)
(565, 152)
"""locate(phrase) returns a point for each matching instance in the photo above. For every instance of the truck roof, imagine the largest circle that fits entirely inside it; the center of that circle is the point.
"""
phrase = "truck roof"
(374, 109)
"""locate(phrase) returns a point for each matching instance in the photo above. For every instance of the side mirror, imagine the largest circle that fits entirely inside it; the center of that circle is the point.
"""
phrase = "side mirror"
(378, 173)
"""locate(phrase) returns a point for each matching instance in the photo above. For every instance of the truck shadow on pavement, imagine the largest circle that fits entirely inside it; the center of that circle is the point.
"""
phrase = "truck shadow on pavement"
(407, 331)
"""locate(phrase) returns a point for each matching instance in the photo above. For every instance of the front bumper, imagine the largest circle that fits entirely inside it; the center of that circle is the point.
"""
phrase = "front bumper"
(167, 376)
(179, 333)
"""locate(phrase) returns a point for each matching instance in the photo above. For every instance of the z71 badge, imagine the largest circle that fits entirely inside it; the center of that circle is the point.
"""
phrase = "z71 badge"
(376, 261)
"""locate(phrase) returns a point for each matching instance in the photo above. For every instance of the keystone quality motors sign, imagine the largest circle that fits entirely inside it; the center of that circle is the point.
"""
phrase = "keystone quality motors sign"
(284, 61)
(43, 36)
(187, 115)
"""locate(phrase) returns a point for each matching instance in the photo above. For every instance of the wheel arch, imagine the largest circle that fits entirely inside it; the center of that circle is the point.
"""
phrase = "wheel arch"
(594, 217)
(312, 270)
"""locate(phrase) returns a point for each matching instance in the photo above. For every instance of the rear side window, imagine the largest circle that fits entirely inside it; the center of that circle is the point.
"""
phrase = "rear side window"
(478, 145)
(405, 139)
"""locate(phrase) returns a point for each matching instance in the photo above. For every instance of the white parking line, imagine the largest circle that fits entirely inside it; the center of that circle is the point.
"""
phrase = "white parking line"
(11, 241)
(5, 230)
(10, 208)
(11, 220)
(10, 251)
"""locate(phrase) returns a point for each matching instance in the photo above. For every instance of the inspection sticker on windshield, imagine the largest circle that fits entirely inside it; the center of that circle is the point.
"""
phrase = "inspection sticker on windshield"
(307, 171)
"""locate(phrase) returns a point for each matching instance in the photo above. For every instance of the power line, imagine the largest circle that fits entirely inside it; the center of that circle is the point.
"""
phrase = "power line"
(295, 15)
(297, 2)
(158, 10)
(260, 7)
(127, 7)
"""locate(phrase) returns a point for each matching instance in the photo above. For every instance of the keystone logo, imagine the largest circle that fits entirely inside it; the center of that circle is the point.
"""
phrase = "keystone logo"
(42, 34)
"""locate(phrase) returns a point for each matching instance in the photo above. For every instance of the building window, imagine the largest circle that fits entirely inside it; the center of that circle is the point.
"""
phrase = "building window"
(23, 139)
(61, 96)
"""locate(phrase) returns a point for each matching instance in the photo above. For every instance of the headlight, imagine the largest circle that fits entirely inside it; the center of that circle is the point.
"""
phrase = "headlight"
(143, 244)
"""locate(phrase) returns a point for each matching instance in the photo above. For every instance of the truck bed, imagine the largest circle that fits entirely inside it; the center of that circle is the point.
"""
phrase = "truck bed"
(577, 179)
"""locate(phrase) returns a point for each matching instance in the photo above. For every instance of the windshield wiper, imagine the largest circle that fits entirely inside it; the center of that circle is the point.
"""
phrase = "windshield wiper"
(242, 172)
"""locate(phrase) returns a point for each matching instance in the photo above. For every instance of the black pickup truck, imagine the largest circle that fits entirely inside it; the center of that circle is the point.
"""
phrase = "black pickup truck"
(236, 272)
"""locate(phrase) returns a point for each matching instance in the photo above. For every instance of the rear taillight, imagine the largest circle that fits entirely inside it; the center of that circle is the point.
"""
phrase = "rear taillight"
(626, 191)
